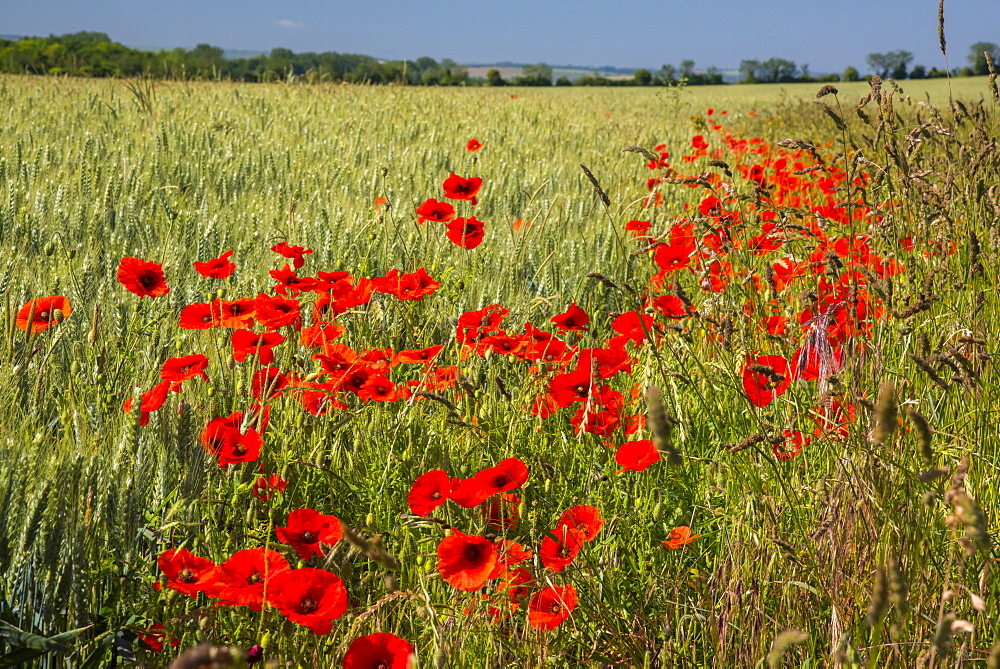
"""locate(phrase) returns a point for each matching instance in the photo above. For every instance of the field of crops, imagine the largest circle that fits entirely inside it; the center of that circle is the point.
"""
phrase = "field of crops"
(304, 376)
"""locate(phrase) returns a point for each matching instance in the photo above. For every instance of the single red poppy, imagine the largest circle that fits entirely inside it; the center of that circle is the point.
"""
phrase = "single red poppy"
(571, 387)
(268, 383)
(560, 547)
(155, 637)
(764, 378)
(382, 650)
(378, 388)
(186, 573)
(473, 145)
(417, 355)
(177, 370)
(320, 335)
(240, 447)
(217, 268)
(152, 400)
(198, 316)
(294, 253)
(310, 597)
(142, 277)
(290, 283)
(307, 529)
(276, 312)
(466, 232)
(247, 342)
(637, 455)
(235, 313)
(633, 325)
(791, 446)
(428, 492)
(244, 576)
(466, 561)
(638, 228)
(550, 606)
(670, 306)
(40, 313)
(679, 536)
(217, 431)
(573, 318)
(585, 518)
(435, 211)
(459, 188)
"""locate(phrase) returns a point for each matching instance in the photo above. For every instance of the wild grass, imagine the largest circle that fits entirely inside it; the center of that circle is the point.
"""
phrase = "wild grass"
(861, 551)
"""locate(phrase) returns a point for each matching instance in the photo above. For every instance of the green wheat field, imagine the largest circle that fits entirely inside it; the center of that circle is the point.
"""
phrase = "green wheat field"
(800, 300)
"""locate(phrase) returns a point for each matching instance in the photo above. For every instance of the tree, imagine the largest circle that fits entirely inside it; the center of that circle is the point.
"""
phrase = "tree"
(749, 69)
(667, 74)
(977, 56)
(687, 69)
(493, 78)
(643, 77)
(890, 64)
(535, 75)
(918, 72)
(851, 74)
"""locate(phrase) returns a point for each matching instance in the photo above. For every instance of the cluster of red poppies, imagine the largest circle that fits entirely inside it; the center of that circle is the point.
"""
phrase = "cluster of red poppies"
(465, 232)
(468, 561)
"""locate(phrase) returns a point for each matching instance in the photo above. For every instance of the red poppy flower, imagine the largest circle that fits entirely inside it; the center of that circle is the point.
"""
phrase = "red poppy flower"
(679, 536)
(240, 447)
(290, 283)
(466, 232)
(466, 561)
(670, 306)
(459, 188)
(382, 650)
(198, 316)
(765, 378)
(571, 387)
(473, 145)
(307, 529)
(791, 446)
(265, 488)
(243, 576)
(216, 432)
(417, 355)
(186, 573)
(320, 334)
(585, 518)
(310, 597)
(412, 286)
(155, 637)
(247, 342)
(152, 400)
(428, 492)
(508, 475)
(638, 228)
(636, 456)
(500, 512)
(176, 370)
(560, 547)
(235, 313)
(294, 253)
(378, 388)
(633, 325)
(550, 606)
(217, 268)
(435, 212)
(268, 382)
(42, 312)
(276, 312)
(573, 318)
(142, 277)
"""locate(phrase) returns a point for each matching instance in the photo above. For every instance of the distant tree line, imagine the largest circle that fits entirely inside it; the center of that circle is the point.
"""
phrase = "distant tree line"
(94, 54)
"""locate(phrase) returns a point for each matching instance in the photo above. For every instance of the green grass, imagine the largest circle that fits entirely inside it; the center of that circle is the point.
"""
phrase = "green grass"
(91, 171)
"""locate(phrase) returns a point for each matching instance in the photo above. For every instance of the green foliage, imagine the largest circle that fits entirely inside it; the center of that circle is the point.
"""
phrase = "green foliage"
(977, 56)
(890, 65)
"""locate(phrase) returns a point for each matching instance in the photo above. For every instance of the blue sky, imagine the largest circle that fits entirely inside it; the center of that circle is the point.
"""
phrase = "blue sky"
(625, 33)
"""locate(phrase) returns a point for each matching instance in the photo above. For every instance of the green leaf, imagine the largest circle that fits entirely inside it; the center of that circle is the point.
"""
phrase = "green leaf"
(22, 639)
(19, 657)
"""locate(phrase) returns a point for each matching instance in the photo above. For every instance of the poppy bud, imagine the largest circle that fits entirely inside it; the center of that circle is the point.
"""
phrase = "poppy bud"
(548, 486)
(657, 511)
(265, 640)
(50, 248)
(370, 519)
(74, 368)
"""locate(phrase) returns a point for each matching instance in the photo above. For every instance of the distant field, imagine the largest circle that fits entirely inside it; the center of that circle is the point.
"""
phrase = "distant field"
(732, 391)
